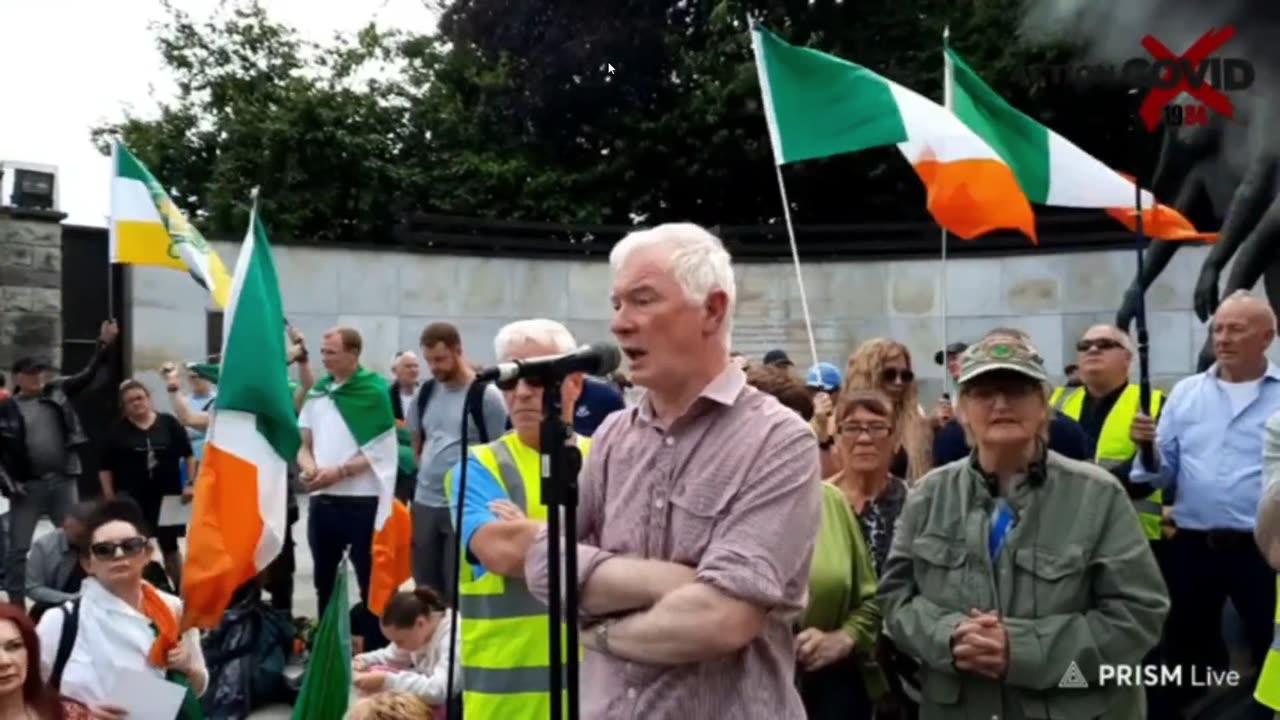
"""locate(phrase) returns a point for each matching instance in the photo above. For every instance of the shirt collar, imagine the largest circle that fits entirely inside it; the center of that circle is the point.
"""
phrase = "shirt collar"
(1272, 373)
(723, 389)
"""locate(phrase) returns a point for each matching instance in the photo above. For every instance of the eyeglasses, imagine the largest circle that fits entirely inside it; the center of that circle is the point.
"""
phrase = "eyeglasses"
(509, 385)
(127, 548)
(890, 376)
(1103, 344)
(875, 431)
(987, 392)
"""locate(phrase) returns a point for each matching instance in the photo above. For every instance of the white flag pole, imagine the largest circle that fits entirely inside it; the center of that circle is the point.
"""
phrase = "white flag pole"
(775, 144)
(946, 101)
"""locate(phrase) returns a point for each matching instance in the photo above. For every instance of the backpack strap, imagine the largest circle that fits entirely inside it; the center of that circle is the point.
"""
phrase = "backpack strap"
(66, 641)
(475, 404)
(424, 397)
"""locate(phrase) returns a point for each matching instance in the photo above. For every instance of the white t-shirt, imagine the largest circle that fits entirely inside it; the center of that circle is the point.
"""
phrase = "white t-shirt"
(332, 444)
(1241, 394)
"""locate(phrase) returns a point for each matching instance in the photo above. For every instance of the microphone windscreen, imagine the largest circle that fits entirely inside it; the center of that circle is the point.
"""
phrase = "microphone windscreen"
(608, 356)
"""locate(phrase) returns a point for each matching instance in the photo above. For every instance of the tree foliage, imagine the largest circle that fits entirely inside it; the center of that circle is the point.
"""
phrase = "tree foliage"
(509, 112)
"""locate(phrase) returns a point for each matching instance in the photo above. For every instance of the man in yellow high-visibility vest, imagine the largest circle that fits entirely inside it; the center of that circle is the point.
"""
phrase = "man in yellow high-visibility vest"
(1266, 532)
(1105, 406)
(506, 664)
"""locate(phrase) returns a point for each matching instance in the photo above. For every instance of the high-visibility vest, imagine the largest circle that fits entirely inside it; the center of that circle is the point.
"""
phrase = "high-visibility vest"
(1268, 690)
(505, 643)
(1114, 445)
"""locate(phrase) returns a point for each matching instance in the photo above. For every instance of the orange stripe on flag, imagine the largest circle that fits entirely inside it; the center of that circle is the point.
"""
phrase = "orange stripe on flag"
(391, 555)
(222, 538)
(974, 197)
(1162, 223)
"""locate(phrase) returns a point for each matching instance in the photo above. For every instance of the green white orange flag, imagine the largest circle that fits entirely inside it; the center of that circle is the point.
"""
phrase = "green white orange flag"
(364, 402)
(148, 229)
(1051, 169)
(818, 105)
(238, 518)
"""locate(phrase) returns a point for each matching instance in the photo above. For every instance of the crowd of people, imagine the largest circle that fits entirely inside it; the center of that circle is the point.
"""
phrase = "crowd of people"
(752, 540)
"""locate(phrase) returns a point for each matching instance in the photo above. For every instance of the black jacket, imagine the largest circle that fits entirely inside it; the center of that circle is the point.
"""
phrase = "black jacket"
(14, 461)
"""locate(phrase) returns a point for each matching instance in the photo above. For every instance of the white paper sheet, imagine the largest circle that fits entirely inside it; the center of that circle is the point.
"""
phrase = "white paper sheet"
(143, 696)
(174, 512)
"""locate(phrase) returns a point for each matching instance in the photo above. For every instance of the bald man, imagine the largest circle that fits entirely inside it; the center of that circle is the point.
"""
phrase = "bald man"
(1209, 445)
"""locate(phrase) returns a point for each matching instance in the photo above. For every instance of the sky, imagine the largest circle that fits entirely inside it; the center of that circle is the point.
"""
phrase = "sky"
(69, 65)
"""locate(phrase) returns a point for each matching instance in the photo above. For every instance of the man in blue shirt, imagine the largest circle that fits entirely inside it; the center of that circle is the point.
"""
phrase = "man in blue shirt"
(597, 401)
(1208, 445)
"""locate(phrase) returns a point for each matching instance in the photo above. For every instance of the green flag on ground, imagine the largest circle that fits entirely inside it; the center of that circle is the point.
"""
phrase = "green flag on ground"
(326, 687)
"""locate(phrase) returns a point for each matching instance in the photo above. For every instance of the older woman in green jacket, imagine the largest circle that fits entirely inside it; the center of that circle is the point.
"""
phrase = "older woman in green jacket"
(1017, 574)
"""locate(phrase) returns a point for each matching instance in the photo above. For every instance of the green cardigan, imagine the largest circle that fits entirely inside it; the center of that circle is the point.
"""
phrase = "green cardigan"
(842, 587)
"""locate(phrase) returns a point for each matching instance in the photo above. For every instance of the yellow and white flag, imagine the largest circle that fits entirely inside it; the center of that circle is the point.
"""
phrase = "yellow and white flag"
(148, 229)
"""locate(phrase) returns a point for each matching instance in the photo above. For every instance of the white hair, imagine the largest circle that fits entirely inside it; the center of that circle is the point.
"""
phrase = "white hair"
(1121, 336)
(699, 262)
(1248, 298)
(538, 330)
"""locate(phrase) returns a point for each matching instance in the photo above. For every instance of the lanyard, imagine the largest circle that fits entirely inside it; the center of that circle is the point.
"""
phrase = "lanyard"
(1001, 523)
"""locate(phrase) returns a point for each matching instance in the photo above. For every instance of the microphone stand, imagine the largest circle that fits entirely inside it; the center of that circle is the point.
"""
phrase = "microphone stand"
(560, 464)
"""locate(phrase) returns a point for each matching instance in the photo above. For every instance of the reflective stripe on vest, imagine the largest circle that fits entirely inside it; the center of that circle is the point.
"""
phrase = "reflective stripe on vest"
(1114, 446)
(505, 644)
(1268, 690)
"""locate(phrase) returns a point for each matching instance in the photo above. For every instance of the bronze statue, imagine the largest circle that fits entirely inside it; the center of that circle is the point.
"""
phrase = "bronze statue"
(1226, 171)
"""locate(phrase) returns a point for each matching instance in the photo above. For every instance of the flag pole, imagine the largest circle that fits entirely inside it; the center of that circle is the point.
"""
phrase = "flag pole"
(111, 232)
(946, 102)
(1140, 318)
(782, 187)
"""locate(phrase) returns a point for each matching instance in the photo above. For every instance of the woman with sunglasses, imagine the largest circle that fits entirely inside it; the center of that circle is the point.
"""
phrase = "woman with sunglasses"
(885, 365)
(121, 622)
(144, 458)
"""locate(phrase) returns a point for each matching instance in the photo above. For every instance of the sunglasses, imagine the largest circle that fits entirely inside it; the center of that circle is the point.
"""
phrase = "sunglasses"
(1103, 344)
(126, 548)
(509, 385)
(893, 375)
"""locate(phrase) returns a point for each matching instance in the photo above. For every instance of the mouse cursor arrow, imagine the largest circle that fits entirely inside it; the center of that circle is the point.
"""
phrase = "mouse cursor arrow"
(610, 68)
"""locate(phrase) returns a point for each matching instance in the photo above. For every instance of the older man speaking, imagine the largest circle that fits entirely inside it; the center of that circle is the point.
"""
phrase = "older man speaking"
(698, 507)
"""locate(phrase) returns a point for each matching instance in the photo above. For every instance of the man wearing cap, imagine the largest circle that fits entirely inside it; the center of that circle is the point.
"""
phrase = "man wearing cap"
(1016, 576)
(823, 381)
(778, 358)
(952, 359)
(40, 441)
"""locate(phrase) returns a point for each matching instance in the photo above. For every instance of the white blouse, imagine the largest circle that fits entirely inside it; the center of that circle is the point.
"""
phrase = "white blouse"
(111, 634)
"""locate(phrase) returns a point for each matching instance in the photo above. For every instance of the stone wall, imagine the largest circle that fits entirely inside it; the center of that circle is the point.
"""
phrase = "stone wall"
(390, 296)
(30, 285)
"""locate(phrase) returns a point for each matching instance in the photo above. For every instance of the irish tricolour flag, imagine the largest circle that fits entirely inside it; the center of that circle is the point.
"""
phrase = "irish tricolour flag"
(238, 520)
(148, 229)
(818, 105)
(1050, 169)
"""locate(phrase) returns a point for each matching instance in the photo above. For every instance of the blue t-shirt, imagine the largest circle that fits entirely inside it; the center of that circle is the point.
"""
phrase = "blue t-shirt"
(597, 400)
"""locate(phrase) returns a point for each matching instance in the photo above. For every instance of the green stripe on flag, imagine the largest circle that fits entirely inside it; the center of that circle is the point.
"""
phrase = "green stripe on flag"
(820, 105)
(256, 331)
(364, 402)
(1020, 141)
(326, 687)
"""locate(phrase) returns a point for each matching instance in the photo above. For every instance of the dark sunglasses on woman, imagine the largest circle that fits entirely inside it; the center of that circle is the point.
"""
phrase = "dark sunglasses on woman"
(889, 376)
(127, 548)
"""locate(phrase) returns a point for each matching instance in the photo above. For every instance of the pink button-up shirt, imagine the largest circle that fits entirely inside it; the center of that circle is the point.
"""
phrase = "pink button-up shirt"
(732, 489)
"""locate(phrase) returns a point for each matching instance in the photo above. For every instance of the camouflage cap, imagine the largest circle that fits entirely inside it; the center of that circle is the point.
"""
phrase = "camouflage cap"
(1002, 353)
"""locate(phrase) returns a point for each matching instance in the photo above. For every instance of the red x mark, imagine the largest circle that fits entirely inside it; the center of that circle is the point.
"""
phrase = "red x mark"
(1153, 104)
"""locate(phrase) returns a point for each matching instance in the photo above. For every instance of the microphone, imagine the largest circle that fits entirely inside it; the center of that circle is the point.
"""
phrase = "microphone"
(599, 358)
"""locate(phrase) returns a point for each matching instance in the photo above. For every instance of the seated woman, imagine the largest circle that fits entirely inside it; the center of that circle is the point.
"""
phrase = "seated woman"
(120, 621)
(418, 625)
(23, 693)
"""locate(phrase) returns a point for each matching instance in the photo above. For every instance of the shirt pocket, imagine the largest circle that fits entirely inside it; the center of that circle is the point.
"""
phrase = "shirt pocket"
(696, 510)
(939, 565)
(1051, 582)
